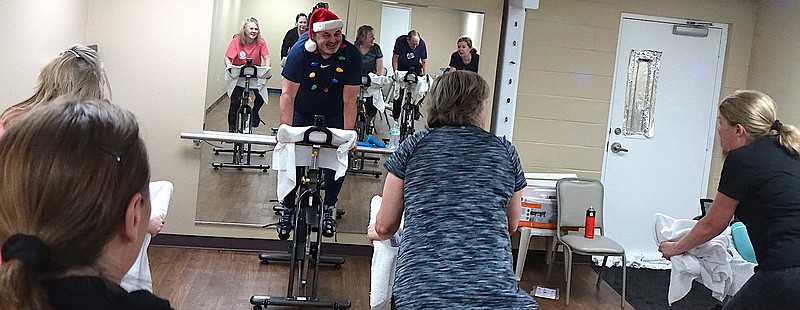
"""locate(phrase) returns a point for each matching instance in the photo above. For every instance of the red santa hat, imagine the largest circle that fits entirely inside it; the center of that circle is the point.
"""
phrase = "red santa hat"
(321, 20)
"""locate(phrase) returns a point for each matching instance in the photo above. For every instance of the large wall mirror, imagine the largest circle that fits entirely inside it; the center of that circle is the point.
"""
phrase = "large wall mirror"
(244, 197)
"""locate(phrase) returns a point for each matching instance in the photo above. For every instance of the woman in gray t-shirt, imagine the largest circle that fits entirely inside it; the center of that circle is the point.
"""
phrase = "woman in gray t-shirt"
(371, 61)
(459, 189)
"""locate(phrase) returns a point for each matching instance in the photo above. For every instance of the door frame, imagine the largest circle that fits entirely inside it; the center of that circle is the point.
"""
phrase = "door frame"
(712, 123)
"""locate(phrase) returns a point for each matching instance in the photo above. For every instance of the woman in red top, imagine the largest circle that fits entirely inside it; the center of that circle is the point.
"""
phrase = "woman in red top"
(248, 43)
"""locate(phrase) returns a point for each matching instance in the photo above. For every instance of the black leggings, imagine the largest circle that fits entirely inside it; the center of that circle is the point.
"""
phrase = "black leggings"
(236, 97)
(332, 188)
(371, 109)
(397, 104)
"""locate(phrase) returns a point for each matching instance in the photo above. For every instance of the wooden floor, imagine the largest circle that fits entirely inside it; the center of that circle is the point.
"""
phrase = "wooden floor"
(212, 279)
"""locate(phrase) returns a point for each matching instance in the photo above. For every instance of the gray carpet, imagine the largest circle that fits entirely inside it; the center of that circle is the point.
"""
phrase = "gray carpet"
(647, 290)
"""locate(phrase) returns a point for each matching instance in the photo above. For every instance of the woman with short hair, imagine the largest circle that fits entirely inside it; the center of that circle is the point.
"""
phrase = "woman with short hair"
(465, 57)
(371, 62)
(458, 188)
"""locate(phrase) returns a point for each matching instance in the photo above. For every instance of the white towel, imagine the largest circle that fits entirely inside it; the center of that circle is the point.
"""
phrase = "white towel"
(286, 156)
(232, 77)
(418, 89)
(375, 90)
(384, 260)
(711, 263)
(139, 277)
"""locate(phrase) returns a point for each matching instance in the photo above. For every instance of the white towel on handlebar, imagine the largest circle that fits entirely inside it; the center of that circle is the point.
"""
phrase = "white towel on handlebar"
(232, 77)
(287, 156)
(375, 90)
(419, 89)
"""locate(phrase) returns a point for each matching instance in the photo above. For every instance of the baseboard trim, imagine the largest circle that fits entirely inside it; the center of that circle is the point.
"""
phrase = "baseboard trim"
(250, 244)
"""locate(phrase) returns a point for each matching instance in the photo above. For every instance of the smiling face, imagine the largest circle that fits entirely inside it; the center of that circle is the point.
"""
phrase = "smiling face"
(302, 24)
(328, 41)
(370, 39)
(251, 30)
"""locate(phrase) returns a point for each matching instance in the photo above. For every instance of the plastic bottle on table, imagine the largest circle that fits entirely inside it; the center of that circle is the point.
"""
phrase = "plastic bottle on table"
(394, 136)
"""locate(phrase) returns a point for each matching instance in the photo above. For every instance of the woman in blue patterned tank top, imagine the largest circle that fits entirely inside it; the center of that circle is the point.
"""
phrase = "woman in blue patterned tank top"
(458, 188)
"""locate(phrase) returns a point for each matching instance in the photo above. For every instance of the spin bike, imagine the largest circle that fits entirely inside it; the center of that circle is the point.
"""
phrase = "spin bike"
(242, 151)
(410, 107)
(363, 129)
(305, 253)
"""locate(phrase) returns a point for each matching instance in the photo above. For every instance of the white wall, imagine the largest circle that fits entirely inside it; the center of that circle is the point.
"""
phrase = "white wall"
(32, 33)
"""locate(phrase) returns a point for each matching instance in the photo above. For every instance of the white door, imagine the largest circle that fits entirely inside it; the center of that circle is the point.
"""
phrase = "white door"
(395, 21)
(666, 172)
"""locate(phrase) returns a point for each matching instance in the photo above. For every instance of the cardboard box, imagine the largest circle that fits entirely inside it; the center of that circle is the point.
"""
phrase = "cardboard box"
(538, 212)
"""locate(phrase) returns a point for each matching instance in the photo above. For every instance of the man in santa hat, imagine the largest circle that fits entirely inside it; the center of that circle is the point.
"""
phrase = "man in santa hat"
(321, 77)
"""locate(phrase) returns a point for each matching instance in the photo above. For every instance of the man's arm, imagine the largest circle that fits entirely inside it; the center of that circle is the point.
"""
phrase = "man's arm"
(288, 92)
(395, 57)
(350, 95)
(227, 61)
(424, 66)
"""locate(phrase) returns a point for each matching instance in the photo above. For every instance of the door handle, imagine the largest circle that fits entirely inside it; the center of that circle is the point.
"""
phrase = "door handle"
(616, 147)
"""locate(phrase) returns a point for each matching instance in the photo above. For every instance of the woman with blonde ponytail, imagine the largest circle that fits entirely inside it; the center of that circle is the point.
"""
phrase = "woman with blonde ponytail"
(760, 184)
(75, 208)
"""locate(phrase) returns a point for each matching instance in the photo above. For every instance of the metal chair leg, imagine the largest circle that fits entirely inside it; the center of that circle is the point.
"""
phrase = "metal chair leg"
(552, 259)
(568, 267)
(624, 279)
(602, 267)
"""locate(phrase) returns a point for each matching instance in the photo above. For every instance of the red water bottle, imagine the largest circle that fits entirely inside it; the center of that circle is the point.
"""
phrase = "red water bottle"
(589, 227)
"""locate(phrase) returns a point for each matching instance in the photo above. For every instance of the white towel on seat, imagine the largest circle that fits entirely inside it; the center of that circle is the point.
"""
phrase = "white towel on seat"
(139, 277)
(711, 263)
(287, 156)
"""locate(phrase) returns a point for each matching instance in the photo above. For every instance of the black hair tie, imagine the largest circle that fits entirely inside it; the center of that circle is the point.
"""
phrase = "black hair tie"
(29, 249)
(776, 126)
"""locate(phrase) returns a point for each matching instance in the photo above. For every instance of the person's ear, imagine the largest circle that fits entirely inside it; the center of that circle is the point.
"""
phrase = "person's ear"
(133, 217)
(740, 129)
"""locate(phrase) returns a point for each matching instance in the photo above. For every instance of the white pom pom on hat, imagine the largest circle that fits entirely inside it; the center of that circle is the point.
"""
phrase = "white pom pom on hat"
(321, 20)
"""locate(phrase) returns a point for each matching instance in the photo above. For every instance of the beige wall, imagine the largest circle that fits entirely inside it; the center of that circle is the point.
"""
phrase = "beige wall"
(567, 69)
(33, 33)
(775, 58)
(440, 37)
(225, 23)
